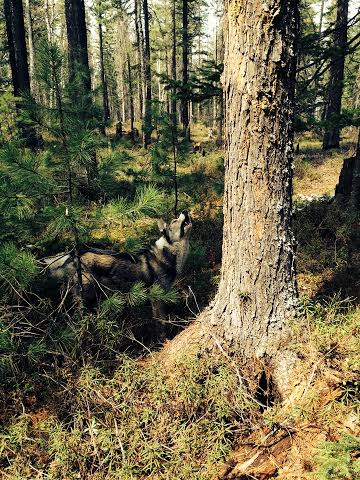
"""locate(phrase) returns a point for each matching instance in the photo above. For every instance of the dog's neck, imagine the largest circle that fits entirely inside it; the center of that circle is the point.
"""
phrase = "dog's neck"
(179, 249)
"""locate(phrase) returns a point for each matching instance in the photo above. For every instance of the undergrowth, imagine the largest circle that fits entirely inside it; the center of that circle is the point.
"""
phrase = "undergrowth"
(138, 423)
(74, 406)
(322, 417)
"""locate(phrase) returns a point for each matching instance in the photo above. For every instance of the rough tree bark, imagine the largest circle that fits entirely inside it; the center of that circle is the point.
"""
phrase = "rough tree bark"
(257, 293)
(335, 88)
(14, 19)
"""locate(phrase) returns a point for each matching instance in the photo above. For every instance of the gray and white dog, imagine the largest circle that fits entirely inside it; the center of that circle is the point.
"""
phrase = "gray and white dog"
(103, 273)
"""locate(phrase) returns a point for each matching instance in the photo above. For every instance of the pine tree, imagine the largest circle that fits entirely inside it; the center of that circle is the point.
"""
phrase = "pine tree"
(335, 88)
(14, 17)
(147, 127)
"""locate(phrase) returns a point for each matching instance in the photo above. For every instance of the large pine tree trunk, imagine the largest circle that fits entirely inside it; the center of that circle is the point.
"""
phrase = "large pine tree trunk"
(257, 293)
(14, 18)
(335, 88)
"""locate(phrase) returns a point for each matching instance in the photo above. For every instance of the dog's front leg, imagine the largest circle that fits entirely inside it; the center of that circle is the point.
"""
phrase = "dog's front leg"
(159, 319)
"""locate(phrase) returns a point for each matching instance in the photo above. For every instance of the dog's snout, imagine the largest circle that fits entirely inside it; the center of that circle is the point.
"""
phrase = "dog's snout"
(187, 216)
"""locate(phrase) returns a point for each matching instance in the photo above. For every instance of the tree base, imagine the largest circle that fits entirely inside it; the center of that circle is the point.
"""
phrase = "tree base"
(206, 336)
(348, 188)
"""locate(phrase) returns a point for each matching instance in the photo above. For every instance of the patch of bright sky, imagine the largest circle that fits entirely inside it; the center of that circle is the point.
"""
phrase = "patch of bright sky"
(213, 19)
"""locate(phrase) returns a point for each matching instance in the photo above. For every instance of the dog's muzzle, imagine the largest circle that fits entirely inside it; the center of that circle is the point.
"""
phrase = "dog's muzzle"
(187, 218)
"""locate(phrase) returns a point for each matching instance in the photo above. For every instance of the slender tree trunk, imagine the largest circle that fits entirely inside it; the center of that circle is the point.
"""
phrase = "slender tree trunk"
(174, 117)
(131, 98)
(105, 95)
(220, 98)
(257, 291)
(321, 15)
(48, 20)
(14, 18)
(46, 99)
(219, 119)
(123, 97)
(147, 128)
(348, 188)
(168, 94)
(70, 175)
(185, 69)
(31, 48)
(140, 54)
(119, 126)
(173, 65)
(335, 88)
(159, 87)
(79, 71)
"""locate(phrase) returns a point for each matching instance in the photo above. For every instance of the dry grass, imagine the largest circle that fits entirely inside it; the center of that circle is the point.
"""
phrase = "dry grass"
(317, 171)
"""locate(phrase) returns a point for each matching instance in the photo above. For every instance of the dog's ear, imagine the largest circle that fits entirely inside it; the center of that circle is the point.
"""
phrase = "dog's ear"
(162, 225)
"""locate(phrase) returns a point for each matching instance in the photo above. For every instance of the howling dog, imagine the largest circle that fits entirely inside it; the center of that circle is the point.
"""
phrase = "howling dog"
(105, 273)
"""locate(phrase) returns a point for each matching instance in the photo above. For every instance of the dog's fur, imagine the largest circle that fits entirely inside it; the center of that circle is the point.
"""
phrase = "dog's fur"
(105, 272)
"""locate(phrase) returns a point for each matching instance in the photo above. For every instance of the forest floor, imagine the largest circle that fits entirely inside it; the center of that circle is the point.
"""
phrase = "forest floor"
(81, 419)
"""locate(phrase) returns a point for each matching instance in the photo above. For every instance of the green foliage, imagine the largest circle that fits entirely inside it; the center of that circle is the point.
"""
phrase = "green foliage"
(148, 202)
(136, 295)
(36, 351)
(17, 268)
(8, 128)
(339, 460)
(156, 293)
(24, 188)
(64, 219)
(112, 305)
